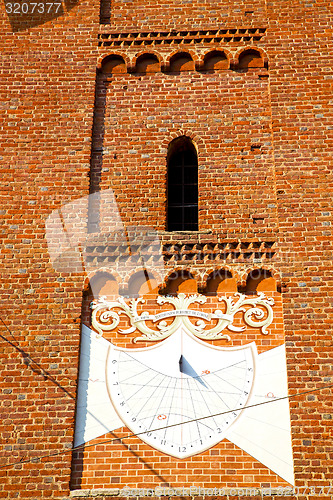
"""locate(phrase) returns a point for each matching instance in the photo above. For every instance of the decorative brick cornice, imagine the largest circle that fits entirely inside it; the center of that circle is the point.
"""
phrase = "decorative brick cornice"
(185, 252)
(213, 251)
(176, 37)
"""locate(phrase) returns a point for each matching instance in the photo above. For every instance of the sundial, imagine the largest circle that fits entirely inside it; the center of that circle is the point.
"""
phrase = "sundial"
(185, 393)
(181, 395)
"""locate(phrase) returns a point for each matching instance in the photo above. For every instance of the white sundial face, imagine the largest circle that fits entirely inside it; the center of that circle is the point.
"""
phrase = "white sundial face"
(179, 396)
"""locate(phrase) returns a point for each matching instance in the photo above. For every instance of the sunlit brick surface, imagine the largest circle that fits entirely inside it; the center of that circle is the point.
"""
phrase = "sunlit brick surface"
(263, 132)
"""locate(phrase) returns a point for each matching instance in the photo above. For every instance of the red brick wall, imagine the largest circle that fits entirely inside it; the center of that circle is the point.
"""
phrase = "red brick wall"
(227, 115)
(299, 44)
(47, 99)
(181, 15)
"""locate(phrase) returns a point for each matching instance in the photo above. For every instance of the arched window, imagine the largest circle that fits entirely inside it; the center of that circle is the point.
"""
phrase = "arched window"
(182, 185)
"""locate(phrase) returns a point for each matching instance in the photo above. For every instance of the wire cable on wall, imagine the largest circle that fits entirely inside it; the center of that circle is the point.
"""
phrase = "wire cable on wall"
(108, 441)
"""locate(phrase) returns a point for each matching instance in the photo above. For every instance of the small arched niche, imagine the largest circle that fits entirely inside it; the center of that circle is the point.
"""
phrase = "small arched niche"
(215, 60)
(104, 283)
(113, 64)
(260, 280)
(180, 282)
(142, 283)
(250, 59)
(220, 281)
(182, 61)
(147, 63)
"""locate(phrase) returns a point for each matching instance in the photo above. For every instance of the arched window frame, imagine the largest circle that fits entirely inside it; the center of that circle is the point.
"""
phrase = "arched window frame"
(182, 185)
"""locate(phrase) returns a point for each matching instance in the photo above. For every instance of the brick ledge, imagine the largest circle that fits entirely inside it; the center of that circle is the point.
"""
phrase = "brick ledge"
(249, 491)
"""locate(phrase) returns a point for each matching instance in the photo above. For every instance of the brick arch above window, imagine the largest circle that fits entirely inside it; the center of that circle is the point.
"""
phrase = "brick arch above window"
(196, 139)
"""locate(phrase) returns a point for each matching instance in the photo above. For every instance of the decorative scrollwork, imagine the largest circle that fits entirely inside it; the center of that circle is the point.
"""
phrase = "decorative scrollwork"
(258, 313)
(102, 311)
(263, 319)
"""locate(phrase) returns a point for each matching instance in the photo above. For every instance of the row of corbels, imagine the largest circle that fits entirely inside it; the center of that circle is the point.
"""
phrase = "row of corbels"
(184, 60)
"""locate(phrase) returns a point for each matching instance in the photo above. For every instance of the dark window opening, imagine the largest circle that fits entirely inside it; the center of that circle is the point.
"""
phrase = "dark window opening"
(182, 186)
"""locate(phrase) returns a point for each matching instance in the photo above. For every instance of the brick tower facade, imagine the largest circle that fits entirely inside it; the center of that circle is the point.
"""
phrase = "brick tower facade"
(166, 172)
